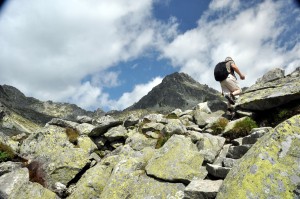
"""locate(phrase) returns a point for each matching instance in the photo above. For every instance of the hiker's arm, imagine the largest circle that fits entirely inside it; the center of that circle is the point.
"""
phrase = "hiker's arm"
(236, 69)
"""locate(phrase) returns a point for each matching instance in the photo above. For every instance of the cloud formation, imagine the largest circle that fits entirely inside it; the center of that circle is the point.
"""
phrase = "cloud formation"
(63, 50)
(251, 35)
(67, 50)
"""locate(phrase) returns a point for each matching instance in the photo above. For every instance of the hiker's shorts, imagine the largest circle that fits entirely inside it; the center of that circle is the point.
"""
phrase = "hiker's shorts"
(230, 85)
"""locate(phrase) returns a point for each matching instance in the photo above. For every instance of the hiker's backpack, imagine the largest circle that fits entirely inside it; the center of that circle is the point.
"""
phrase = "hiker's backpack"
(220, 71)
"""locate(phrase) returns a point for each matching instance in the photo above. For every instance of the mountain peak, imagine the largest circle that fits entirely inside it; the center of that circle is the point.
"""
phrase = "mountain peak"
(177, 90)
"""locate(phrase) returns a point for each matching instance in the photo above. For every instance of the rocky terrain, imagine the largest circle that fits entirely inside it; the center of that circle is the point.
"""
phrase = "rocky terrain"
(191, 153)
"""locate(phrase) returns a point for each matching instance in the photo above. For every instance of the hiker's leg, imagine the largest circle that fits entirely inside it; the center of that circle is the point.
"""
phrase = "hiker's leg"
(237, 92)
(233, 86)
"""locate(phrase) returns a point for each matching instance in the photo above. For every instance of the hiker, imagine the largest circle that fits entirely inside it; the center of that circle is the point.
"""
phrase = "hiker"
(224, 73)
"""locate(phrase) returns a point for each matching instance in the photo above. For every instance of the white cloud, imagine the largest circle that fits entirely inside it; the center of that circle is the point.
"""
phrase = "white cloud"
(49, 47)
(129, 98)
(222, 4)
(250, 36)
(66, 50)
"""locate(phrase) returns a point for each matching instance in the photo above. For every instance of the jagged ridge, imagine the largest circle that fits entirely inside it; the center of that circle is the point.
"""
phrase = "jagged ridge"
(177, 90)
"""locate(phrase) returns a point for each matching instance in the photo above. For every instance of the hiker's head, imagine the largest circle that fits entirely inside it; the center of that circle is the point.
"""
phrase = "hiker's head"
(228, 59)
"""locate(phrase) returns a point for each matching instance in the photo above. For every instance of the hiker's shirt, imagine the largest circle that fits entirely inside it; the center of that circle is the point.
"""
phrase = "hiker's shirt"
(230, 69)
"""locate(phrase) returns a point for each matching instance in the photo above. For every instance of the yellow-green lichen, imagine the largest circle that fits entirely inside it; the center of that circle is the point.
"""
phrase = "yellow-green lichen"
(275, 158)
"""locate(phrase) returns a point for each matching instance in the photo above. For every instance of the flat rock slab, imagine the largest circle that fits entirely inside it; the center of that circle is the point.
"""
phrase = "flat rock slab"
(202, 189)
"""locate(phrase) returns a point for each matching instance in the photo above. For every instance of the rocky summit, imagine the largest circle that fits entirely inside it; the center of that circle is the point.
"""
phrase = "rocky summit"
(193, 153)
(177, 90)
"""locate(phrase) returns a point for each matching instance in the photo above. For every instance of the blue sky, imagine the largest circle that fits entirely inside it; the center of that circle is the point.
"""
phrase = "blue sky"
(108, 54)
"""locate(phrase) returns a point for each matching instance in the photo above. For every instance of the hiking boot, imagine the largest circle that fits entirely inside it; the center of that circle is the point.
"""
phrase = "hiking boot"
(229, 98)
(232, 116)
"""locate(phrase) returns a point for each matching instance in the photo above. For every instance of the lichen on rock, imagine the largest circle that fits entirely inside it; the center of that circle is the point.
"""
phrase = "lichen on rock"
(270, 168)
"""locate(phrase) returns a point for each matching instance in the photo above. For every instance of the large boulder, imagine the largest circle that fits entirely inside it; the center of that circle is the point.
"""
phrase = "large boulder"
(174, 126)
(270, 169)
(128, 180)
(178, 160)
(271, 75)
(266, 94)
(210, 146)
(16, 184)
(92, 183)
(54, 157)
(103, 124)
(8, 142)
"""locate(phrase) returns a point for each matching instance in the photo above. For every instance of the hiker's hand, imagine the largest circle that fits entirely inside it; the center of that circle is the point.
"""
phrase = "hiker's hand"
(242, 77)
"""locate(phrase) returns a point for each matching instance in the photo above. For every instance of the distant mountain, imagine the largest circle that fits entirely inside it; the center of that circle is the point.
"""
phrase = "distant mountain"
(177, 90)
(27, 113)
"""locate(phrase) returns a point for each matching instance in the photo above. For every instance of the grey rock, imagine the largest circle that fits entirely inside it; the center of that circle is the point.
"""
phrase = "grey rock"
(152, 126)
(84, 128)
(202, 189)
(217, 171)
(116, 133)
(92, 183)
(271, 166)
(174, 126)
(13, 181)
(116, 144)
(229, 162)
(203, 107)
(95, 156)
(63, 123)
(237, 152)
(33, 190)
(230, 126)
(60, 189)
(194, 128)
(84, 119)
(103, 124)
(6, 167)
(271, 75)
(139, 141)
(195, 136)
(237, 142)
(177, 112)
(152, 134)
(222, 155)
(255, 134)
(203, 119)
(178, 160)
(100, 142)
(131, 121)
(53, 153)
(296, 72)
(217, 105)
(7, 141)
(129, 175)
(210, 146)
(154, 118)
(267, 95)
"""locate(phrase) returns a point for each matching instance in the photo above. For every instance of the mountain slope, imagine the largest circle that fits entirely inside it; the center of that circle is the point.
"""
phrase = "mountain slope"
(27, 113)
(177, 90)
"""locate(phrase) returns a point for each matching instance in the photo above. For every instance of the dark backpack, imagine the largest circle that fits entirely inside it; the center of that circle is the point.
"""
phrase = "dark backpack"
(220, 71)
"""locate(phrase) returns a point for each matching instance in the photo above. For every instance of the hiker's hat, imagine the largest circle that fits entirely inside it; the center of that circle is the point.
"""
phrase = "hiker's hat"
(228, 59)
